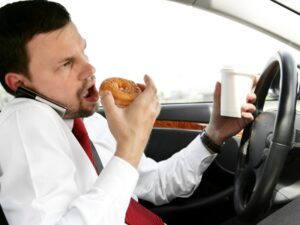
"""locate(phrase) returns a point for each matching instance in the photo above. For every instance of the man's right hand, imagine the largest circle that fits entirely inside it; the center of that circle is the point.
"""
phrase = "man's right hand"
(131, 126)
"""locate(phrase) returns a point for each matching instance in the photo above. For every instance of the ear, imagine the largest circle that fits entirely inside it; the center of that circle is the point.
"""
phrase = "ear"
(14, 80)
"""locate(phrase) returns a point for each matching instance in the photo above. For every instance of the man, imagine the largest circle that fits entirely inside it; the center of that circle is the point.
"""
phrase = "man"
(46, 176)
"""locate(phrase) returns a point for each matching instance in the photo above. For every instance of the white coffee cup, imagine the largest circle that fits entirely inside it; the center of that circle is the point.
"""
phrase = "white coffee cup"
(236, 84)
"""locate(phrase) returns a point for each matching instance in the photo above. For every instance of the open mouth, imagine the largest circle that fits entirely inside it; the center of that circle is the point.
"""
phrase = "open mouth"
(91, 94)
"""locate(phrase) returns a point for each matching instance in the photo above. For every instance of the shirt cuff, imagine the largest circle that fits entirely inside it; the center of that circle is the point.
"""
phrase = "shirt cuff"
(118, 179)
(198, 152)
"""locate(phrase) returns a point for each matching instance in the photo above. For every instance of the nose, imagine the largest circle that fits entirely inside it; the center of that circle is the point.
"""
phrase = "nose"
(88, 70)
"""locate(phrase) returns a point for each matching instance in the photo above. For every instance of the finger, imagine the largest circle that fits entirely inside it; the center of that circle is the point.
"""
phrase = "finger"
(248, 108)
(251, 97)
(255, 80)
(217, 94)
(150, 83)
(108, 101)
(248, 116)
(141, 86)
(148, 80)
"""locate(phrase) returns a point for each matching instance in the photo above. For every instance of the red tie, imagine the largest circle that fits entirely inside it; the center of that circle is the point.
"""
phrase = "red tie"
(82, 136)
(136, 213)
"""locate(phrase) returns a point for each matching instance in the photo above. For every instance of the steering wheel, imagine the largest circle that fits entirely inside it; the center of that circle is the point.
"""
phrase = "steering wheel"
(266, 141)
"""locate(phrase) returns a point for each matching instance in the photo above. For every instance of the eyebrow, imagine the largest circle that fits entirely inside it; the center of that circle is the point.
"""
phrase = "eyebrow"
(66, 59)
(70, 58)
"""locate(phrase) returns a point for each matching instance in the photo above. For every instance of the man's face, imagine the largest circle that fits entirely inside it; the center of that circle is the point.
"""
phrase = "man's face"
(59, 69)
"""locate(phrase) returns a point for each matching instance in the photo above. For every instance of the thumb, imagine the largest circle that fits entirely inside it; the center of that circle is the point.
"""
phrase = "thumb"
(217, 97)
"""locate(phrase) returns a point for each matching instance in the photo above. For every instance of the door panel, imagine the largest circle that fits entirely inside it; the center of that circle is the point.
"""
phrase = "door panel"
(175, 127)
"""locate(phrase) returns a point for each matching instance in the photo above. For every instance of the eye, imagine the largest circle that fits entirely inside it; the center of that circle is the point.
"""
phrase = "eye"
(67, 63)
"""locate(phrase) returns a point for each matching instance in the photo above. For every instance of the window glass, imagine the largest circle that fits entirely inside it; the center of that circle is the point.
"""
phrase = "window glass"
(182, 48)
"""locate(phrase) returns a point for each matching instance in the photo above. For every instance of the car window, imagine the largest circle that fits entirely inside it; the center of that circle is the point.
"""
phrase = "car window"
(182, 48)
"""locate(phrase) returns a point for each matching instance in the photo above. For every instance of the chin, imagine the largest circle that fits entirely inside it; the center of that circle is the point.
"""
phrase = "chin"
(82, 111)
(85, 112)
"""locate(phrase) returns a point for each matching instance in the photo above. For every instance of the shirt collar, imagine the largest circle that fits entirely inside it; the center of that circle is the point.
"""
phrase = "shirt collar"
(70, 123)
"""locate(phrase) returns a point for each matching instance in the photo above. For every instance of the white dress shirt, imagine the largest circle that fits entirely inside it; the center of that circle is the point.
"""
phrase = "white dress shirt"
(46, 177)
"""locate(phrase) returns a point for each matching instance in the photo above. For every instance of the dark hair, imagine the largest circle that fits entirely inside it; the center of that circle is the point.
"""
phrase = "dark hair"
(19, 22)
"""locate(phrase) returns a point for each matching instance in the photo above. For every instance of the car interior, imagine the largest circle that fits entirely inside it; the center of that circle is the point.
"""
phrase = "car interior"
(255, 180)
(255, 173)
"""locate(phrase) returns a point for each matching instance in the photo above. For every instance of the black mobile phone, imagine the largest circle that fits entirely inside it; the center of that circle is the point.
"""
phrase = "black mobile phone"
(26, 93)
